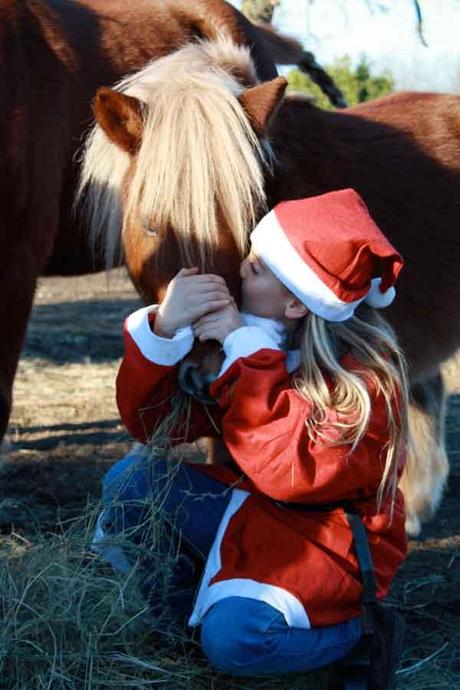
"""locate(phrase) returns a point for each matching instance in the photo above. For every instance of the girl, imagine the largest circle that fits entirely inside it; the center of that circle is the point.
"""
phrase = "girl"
(311, 404)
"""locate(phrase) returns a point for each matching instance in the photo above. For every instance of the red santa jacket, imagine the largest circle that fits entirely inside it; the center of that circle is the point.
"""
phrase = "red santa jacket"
(301, 563)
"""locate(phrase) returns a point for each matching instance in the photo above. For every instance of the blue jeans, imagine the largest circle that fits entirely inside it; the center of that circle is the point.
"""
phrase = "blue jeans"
(239, 636)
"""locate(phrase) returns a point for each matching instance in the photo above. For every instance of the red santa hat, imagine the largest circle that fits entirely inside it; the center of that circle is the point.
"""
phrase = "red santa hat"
(329, 253)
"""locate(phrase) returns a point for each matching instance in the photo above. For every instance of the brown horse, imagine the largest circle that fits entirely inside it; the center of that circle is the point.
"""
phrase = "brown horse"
(188, 152)
(54, 54)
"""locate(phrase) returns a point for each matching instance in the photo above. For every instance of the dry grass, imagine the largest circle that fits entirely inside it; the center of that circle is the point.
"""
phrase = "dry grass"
(69, 622)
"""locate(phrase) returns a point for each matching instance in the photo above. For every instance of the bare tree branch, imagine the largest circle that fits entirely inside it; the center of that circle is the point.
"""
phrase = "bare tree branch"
(418, 14)
(374, 5)
(262, 11)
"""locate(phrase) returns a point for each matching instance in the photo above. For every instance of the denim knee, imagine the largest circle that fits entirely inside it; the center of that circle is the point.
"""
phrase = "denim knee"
(233, 633)
(128, 479)
(247, 637)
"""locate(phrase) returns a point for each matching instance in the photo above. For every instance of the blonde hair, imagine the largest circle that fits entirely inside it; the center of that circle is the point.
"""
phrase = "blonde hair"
(199, 159)
(370, 338)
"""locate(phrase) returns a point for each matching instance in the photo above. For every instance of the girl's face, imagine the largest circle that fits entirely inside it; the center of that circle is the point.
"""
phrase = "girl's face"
(262, 294)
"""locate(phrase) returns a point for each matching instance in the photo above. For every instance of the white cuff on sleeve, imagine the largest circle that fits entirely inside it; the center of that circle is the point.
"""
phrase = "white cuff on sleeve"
(164, 351)
(243, 342)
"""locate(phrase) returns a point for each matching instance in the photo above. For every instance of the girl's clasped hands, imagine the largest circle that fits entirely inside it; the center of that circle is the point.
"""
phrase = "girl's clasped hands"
(200, 300)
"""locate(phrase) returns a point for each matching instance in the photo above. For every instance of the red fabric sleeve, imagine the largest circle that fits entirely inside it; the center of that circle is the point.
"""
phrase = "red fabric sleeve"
(145, 393)
(264, 429)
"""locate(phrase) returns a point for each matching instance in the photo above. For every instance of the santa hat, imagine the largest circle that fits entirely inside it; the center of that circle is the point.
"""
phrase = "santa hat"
(329, 253)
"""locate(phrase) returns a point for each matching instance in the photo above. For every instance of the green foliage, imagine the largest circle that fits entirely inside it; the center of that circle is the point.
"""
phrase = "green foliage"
(356, 83)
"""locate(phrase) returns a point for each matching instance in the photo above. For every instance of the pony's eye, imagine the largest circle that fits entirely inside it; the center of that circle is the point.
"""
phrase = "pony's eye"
(151, 231)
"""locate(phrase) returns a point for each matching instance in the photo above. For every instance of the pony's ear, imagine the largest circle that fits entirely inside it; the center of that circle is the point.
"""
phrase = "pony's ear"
(120, 116)
(261, 102)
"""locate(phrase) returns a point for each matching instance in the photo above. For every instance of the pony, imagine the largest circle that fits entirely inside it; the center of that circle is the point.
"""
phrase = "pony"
(54, 54)
(186, 154)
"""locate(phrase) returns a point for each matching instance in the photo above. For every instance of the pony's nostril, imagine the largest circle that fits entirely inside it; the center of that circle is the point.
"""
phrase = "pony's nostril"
(191, 381)
(184, 377)
(196, 378)
(209, 378)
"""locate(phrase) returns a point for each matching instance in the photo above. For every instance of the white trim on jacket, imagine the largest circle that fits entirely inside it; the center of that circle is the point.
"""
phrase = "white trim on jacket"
(208, 594)
(163, 351)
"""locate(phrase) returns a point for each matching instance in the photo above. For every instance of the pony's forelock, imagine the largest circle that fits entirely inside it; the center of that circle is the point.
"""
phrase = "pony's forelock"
(199, 161)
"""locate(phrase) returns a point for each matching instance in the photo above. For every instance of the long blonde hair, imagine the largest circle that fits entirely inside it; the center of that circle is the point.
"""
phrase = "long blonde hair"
(370, 338)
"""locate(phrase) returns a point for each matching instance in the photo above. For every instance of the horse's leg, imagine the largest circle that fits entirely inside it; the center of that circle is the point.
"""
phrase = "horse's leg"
(17, 286)
(427, 468)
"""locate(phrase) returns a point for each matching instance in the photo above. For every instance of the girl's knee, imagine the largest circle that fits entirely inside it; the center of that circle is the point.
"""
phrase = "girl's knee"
(244, 637)
(233, 634)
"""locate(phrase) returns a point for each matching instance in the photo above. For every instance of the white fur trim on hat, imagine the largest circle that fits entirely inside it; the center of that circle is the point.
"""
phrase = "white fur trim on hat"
(273, 247)
(271, 244)
(377, 299)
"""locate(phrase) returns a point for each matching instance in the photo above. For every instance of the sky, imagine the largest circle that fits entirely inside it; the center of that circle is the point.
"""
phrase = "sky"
(385, 30)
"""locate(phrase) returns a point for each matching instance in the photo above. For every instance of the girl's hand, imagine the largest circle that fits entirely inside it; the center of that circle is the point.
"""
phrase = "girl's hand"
(189, 296)
(219, 324)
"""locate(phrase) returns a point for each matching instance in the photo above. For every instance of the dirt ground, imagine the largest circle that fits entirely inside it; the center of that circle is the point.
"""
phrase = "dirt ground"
(65, 432)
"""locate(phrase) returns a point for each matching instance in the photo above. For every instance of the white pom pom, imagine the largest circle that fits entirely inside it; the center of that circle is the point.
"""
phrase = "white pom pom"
(377, 299)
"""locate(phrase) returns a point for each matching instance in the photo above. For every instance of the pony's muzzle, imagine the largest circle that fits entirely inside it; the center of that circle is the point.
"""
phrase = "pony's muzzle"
(193, 381)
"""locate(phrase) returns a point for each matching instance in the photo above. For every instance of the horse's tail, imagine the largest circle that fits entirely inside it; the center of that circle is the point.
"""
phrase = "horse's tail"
(287, 51)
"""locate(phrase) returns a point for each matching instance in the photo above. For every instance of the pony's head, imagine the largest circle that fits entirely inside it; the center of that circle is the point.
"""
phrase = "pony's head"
(176, 164)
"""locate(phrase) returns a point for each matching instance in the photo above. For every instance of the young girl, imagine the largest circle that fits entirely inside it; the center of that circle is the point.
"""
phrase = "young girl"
(311, 404)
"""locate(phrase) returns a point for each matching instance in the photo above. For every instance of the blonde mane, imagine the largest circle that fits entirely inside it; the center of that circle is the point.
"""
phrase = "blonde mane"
(199, 160)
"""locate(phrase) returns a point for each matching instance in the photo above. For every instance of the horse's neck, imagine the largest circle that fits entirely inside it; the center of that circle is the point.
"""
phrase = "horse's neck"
(303, 151)
(32, 27)
(78, 41)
